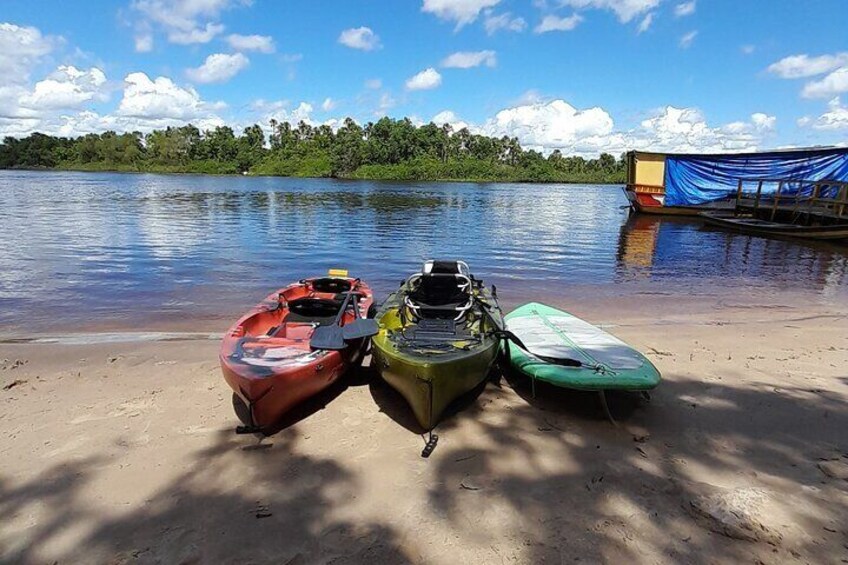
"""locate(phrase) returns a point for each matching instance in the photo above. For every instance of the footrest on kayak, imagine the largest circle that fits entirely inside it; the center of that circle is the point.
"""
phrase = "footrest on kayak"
(436, 326)
(432, 330)
(437, 333)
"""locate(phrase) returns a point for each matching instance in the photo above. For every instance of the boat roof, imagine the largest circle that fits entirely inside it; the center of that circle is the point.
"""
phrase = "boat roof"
(820, 149)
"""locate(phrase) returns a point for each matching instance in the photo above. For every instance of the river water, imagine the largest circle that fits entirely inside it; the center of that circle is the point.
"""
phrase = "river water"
(92, 250)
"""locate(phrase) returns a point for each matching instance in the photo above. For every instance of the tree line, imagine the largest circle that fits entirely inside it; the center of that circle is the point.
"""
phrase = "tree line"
(386, 149)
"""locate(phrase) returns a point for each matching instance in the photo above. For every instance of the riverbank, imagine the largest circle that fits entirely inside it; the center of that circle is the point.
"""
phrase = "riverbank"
(385, 150)
(124, 452)
(474, 171)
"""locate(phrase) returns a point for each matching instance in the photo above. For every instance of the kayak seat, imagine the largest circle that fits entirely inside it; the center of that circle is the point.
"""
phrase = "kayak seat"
(331, 285)
(313, 310)
(439, 296)
(442, 267)
(452, 267)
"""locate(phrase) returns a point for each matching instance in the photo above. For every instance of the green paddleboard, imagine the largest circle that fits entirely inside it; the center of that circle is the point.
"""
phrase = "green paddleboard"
(596, 360)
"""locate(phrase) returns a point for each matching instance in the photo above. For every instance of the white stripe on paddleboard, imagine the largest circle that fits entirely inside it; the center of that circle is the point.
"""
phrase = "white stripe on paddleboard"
(544, 340)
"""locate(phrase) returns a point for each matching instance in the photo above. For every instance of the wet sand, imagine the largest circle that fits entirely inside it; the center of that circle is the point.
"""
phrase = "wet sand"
(123, 452)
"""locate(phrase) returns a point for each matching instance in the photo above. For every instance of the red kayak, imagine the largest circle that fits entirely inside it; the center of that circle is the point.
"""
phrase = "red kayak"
(266, 355)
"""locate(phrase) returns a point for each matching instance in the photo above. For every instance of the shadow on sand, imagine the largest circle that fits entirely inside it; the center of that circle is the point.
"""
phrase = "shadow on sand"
(529, 480)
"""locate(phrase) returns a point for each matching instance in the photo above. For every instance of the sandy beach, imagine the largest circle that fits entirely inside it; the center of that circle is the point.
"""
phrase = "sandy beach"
(124, 451)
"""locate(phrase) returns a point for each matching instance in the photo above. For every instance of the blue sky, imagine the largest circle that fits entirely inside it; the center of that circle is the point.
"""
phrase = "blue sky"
(583, 76)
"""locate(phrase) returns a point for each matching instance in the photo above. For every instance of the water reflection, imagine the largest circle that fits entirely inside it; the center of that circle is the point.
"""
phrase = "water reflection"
(86, 249)
(667, 249)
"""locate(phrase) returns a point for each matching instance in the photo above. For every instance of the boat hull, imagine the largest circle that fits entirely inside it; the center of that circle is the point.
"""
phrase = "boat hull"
(653, 202)
(755, 226)
(430, 384)
(271, 374)
(432, 375)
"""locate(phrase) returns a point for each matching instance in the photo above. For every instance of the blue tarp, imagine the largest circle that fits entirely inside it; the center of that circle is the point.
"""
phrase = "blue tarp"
(698, 179)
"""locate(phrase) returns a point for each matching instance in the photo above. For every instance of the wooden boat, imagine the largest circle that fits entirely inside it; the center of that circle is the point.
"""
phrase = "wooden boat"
(646, 187)
(684, 184)
(266, 356)
(436, 342)
(748, 223)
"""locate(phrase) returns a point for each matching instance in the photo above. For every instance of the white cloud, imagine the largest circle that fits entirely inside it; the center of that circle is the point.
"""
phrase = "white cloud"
(261, 43)
(531, 96)
(329, 104)
(450, 118)
(625, 10)
(802, 66)
(385, 104)
(463, 12)
(91, 122)
(20, 49)
(833, 84)
(444, 117)
(425, 80)
(469, 59)
(687, 39)
(360, 38)
(278, 111)
(645, 23)
(836, 117)
(161, 99)
(24, 107)
(184, 21)
(262, 105)
(506, 22)
(555, 124)
(291, 57)
(763, 121)
(686, 130)
(374, 84)
(748, 49)
(219, 67)
(146, 105)
(551, 125)
(684, 9)
(197, 35)
(143, 43)
(556, 23)
(67, 87)
(302, 112)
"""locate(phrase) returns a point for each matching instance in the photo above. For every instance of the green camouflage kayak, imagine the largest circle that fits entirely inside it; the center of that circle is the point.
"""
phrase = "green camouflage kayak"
(435, 342)
(590, 358)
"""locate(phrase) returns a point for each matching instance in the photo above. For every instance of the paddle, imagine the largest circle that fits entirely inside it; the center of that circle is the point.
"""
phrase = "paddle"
(331, 336)
(506, 334)
(359, 327)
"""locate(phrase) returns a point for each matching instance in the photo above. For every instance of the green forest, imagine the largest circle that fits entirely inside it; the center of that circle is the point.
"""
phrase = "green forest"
(388, 149)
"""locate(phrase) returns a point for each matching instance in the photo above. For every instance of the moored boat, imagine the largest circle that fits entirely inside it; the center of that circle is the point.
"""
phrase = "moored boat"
(749, 223)
(438, 338)
(267, 358)
(686, 184)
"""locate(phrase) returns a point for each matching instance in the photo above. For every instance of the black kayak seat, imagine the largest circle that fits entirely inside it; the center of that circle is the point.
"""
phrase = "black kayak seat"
(439, 295)
(313, 310)
(331, 284)
(442, 267)
(439, 290)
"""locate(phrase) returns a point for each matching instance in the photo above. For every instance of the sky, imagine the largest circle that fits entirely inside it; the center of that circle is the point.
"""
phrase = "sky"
(581, 76)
